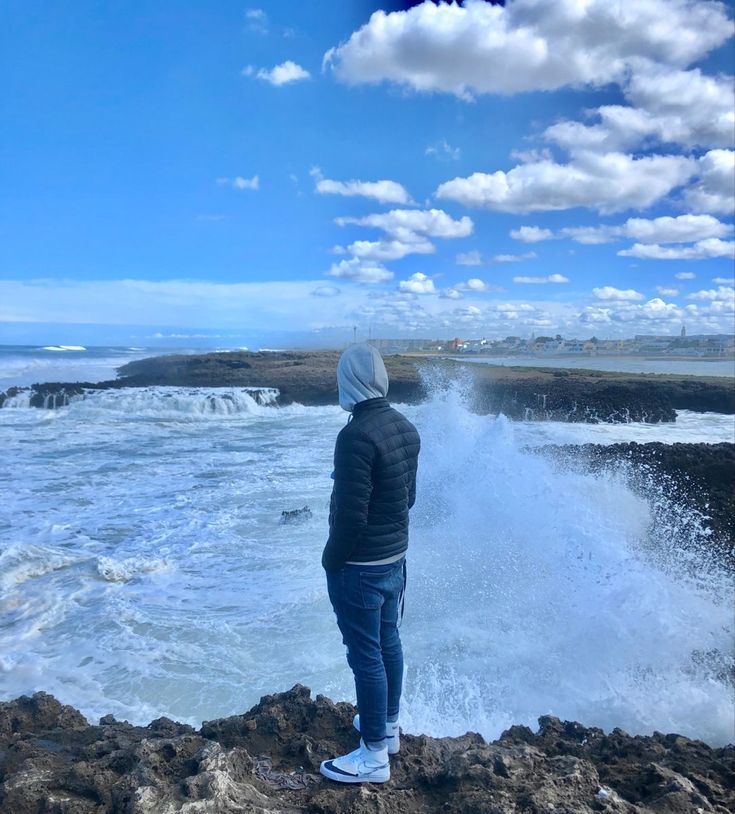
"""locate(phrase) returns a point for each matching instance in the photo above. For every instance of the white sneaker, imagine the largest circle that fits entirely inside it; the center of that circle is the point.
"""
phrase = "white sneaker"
(392, 735)
(361, 766)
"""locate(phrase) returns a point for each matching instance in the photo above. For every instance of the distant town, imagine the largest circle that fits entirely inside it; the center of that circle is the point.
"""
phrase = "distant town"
(702, 346)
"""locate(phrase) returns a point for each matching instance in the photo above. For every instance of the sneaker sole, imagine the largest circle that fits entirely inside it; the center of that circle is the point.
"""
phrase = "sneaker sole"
(379, 776)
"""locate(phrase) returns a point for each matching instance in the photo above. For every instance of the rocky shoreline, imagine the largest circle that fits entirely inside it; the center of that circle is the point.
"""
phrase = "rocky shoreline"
(518, 392)
(52, 761)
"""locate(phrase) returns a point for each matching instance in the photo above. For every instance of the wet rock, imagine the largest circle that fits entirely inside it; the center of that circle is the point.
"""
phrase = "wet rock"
(699, 476)
(295, 516)
(267, 759)
(536, 394)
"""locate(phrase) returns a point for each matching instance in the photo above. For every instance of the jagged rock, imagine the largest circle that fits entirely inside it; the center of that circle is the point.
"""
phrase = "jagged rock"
(700, 476)
(294, 516)
(52, 762)
(519, 392)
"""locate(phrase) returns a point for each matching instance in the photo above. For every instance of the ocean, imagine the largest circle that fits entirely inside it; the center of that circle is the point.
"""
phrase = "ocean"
(145, 570)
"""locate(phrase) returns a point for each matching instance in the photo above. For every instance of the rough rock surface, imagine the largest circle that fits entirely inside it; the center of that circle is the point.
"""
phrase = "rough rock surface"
(267, 760)
(700, 476)
(519, 392)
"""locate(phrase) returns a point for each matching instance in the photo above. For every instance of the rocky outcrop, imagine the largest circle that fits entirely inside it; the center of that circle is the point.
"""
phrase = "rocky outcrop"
(267, 760)
(700, 476)
(520, 393)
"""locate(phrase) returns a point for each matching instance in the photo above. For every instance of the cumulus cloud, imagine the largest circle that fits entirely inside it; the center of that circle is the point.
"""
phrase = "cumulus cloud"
(723, 280)
(283, 74)
(667, 229)
(721, 294)
(405, 224)
(701, 250)
(383, 191)
(476, 286)
(531, 234)
(387, 249)
(360, 271)
(654, 310)
(667, 292)
(238, 182)
(526, 45)
(669, 107)
(607, 182)
(551, 278)
(417, 283)
(450, 294)
(685, 275)
(715, 189)
(608, 292)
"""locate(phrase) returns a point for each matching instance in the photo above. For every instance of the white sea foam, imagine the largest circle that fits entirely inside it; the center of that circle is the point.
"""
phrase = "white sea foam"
(146, 572)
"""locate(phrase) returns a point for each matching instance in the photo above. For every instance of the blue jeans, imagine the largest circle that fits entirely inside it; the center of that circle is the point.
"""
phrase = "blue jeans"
(367, 602)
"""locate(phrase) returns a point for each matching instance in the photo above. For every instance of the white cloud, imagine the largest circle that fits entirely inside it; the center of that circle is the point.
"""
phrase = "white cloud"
(608, 292)
(551, 278)
(723, 280)
(631, 314)
(238, 182)
(681, 229)
(715, 189)
(450, 294)
(417, 283)
(473, 258)
(442, 149)
(607, 182)
(282, 74)
(476, 286)
(325, 291)
(406, 224)
(701, 250)
(667, 292)
(387, 249)
(360, 271)
(383, 191)
(514, 258)
(191, 306)
(257, 20)
(526, 45)
(685, 275)
(721, 294)
(531, 234)
(670, 107)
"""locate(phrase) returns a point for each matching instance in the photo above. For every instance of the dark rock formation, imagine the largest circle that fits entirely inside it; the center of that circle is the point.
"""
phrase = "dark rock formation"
(295, 516)
(519, 392)
(701, 476)
(267, 760)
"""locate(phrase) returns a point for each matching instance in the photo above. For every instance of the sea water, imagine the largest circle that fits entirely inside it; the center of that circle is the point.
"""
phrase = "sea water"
(145, 571)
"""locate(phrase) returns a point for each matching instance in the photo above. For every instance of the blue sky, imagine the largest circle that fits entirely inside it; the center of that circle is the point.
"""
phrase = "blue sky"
(249, 171)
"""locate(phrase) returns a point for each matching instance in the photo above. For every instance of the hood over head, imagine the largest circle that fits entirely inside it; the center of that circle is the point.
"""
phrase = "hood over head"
(361, 375)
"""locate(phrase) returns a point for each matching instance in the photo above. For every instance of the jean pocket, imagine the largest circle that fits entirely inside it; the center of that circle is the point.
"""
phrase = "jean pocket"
(372, 587)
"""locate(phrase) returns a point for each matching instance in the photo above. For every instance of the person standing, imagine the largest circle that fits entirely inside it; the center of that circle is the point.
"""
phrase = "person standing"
(375, 462)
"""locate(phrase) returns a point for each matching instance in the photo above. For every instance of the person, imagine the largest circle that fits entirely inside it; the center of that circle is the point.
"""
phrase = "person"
(375, 462)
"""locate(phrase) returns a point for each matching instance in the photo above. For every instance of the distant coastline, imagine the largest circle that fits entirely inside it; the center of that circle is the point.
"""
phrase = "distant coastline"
(524, 392)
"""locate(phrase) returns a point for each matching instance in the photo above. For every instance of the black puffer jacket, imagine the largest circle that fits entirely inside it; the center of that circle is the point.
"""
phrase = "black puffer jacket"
(375, 462)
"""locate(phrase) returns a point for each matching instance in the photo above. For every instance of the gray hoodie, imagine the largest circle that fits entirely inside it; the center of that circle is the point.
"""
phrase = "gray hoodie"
(361, 375)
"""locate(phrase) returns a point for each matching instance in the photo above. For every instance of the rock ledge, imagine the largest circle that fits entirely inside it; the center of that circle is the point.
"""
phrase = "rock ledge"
(267, 760)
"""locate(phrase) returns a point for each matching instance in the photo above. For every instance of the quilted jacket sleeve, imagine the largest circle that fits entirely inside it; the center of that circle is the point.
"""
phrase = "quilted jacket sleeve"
(354, 455)
(412, 487)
